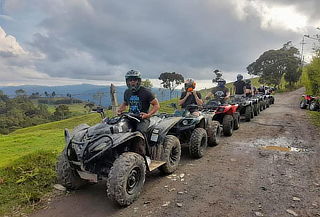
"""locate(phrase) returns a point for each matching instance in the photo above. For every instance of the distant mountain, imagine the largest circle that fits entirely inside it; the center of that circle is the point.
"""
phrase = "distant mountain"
(85, 92)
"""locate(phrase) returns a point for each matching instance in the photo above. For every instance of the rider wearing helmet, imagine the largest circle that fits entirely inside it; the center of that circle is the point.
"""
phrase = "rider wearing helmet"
(220, 92)
(138, 99)
(240, 86)
(248, 89)
(190, 95)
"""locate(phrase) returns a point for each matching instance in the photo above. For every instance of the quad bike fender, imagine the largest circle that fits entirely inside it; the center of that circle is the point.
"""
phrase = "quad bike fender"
(99, 145)
(160, 131)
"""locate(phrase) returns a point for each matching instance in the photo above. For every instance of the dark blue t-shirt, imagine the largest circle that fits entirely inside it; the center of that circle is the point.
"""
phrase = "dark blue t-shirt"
(138, 101)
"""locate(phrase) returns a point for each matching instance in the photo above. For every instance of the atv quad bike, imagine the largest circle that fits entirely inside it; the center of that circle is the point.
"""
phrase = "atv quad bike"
(113, 151)
(226, 114)
(245, 108)
(197, 131)
(306, 101)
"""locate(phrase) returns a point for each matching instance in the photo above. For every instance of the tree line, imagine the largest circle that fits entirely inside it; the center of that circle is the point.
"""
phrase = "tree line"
(20, 112)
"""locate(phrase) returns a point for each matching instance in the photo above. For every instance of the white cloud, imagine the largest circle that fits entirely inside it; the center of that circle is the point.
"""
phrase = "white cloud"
(9, 44)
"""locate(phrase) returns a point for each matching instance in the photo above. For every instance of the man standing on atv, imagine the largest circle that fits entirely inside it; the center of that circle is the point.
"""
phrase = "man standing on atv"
(239, 86)
(138, 99)
(190, 95)
(220, 92)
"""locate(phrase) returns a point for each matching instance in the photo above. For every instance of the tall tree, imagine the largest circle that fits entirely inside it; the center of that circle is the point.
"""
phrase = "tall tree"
(312, 70)
(171, 80)
(272, 65)
(20, 92)
(146, 83)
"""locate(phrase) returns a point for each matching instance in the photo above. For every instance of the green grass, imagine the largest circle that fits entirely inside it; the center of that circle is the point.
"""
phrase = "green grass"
(28, 158)
(315, 117)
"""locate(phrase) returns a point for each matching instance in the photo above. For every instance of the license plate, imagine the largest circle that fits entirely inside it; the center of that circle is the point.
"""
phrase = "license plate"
(154, 137)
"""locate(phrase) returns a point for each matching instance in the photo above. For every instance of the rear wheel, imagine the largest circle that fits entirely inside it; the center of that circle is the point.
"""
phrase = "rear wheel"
(67, 176)
(126, 178)
(227, 125)
(171, 154)
(198, 143)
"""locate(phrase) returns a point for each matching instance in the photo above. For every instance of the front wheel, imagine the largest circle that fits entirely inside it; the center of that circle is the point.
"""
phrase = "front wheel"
(171, 154)
(303, 104)
(313, 106)
(247, 113)
(213, 132)
(66, 175)
(227, 125)
(126, 178)
(236, 117)
(198, 143)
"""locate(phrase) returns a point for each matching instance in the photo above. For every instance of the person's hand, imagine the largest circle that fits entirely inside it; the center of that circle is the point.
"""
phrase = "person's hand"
(119, 112)
(188, 94)
(144, 115)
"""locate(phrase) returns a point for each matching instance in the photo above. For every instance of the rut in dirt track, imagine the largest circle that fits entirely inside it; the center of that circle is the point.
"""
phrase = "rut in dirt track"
(239, 177)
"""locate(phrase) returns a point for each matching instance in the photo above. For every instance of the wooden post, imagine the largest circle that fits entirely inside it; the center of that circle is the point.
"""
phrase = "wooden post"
(114, 100)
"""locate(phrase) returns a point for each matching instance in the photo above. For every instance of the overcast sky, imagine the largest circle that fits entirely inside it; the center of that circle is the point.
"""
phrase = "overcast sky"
(57, 42)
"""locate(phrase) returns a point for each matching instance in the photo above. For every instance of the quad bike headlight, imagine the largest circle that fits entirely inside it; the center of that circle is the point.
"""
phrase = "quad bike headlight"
(185, 122)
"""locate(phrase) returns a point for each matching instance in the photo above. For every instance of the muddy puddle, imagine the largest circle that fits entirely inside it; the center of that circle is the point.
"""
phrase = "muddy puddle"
(282, 144)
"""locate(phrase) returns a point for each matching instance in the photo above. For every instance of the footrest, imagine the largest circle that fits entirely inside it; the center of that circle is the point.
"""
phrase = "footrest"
(155, 164)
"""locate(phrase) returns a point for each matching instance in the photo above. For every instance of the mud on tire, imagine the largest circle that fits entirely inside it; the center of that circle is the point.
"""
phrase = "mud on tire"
(213, 132)
(171, 154)
(126, 178)
(227, 125)
(198, 143)
(303, 104)
(66, 175)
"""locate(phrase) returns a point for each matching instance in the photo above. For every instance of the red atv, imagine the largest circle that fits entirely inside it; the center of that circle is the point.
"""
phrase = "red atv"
(226, 114)
(306, 101)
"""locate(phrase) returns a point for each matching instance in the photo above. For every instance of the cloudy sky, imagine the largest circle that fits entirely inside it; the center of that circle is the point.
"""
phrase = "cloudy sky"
(57, 42)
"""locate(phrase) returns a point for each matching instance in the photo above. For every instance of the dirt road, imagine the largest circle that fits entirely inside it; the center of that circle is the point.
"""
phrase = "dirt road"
(236, 178)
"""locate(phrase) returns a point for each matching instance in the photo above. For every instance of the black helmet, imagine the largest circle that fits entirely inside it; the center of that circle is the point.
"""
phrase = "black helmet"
(132, 74)
(221, 82)
(189, 84)
(239, 77)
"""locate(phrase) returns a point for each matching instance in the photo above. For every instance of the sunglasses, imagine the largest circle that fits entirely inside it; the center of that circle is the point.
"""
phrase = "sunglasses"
(133, 79)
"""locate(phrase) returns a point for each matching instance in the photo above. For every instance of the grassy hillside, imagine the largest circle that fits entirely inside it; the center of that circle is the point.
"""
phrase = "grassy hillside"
(75, 109)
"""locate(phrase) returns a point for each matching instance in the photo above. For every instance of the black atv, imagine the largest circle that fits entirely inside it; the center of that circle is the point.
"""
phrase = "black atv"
(112, 151)
(198, 131)
(225, 113)
(246, 108)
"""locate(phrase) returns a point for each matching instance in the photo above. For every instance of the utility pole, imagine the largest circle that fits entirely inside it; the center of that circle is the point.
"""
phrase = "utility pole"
(114, 100)
(302, 57)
